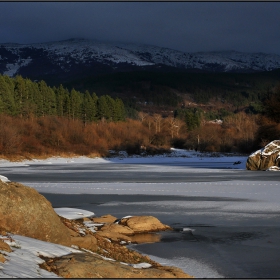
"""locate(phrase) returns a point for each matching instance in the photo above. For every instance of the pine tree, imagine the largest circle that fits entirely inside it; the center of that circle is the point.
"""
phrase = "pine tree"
(61, 96)
(94, 106)
(67, 106)
(26, 96)
(76, 101)
(103, 111)
(19, 94)
(119, 112)
(88, 108)
(49, 99)
(38, 100)
(7, 104)
(111, 108)
(29, 107)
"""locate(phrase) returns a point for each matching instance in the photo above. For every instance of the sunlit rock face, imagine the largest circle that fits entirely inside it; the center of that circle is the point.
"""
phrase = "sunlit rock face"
(265, 158)
(143, 224)
(25, 212)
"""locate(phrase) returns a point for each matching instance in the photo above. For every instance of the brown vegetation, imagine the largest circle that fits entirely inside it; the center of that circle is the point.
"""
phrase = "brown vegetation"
(235, 134)
(52, 135)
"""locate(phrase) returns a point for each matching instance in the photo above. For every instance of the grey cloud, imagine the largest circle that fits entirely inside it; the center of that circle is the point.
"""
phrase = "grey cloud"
(186, 26)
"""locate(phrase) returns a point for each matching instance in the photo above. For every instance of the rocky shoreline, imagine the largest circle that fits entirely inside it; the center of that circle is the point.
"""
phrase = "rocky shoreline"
(101, 241)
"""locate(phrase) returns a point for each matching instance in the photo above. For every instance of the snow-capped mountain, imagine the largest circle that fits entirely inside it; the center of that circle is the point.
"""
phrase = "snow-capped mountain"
(80, 56)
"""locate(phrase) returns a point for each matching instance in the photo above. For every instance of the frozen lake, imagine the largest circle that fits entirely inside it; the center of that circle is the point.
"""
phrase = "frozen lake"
(233, 215)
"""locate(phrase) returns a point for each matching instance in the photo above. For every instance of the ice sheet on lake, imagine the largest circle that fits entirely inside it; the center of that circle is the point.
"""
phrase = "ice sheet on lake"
(266, 191)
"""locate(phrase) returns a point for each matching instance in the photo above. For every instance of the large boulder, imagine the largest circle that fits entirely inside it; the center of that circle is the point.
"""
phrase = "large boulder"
(143, 224)
(265, 157)
(25, 212)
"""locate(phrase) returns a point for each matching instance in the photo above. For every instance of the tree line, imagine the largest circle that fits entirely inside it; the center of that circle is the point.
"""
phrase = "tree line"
(26, 98)
(36, 119)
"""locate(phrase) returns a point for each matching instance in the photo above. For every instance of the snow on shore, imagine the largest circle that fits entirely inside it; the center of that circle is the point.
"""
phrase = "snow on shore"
(176, 155)
(24, 260)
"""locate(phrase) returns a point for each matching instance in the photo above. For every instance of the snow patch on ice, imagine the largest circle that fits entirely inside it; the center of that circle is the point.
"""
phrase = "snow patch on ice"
(73, 213)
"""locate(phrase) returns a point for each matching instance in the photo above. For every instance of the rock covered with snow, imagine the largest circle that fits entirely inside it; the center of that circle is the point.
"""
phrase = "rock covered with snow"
(273, 168)
(24, 211)
(4, 179)
(265, 158)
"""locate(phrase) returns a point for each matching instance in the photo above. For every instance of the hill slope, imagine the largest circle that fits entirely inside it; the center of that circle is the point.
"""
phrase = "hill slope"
(63, 60)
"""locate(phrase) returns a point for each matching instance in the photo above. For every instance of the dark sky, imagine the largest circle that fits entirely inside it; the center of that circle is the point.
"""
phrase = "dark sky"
(185, 26)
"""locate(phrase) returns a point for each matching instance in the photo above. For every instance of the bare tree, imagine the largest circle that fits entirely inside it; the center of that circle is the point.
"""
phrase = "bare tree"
(174, 126)
(142, 116)
(157, 120)
(149, 121)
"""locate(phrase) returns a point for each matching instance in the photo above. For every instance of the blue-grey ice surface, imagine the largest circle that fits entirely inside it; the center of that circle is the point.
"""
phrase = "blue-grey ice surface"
(217, 193)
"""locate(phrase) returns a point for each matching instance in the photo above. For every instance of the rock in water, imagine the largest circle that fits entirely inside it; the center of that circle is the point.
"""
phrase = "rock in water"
(265, 157)
(25, 212)
(143, 224)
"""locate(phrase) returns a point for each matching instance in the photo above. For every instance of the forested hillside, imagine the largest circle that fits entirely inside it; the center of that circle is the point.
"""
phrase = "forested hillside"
(240, 114)
(161, 91)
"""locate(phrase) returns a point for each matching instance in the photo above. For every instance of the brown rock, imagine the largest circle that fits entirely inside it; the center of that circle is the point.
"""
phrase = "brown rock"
(144, 224)
(93, 266)
(119, 252)
(5, 247)
(105, 219)
(25, 212)
(265, 158)
(118, 228)
(73, 233)
(88, 242)
(2, 258)
(114, 236)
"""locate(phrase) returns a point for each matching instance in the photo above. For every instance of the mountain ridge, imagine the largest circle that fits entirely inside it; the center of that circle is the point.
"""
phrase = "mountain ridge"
(75, 57)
